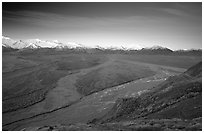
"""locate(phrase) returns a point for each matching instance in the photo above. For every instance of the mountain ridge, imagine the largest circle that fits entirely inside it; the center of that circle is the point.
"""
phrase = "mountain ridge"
(29, 45)
(37, 43)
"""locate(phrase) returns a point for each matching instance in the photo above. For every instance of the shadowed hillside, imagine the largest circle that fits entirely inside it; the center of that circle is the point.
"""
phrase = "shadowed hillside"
(180, 97)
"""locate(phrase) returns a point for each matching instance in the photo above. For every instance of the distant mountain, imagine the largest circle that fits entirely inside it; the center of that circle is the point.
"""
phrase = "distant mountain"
(155, 47)
(33, 44)
(37, 43)
(7, 42)
(156, 50)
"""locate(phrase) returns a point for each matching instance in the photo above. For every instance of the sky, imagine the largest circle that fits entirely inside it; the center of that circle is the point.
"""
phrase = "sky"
(172, 25)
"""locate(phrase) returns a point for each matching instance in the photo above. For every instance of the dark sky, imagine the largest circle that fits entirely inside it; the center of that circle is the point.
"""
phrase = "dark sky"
(173, 25)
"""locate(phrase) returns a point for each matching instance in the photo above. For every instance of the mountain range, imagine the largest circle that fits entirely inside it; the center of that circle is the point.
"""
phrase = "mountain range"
(36, 43)
(9, 44)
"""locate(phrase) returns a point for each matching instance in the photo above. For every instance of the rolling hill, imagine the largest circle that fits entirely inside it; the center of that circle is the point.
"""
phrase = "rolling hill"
(178, 101)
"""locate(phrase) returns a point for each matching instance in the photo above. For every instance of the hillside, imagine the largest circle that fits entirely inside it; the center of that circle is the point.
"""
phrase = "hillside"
(175, 104)
(177, 99)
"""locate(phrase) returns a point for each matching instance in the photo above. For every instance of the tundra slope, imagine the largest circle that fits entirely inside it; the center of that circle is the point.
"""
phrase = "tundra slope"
(175, 104)
(65, 92)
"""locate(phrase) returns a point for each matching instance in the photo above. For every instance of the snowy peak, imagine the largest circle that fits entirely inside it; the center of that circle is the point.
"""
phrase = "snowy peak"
(37, 43)
(52, 44)
(7, 42)
(156, 47)
(32, 46)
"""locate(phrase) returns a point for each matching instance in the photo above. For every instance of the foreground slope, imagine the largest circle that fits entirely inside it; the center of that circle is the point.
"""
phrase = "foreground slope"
(59, 87)
(175, 104)
(179, 99)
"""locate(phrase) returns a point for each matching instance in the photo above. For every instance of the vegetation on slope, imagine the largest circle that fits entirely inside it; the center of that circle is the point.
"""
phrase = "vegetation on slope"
(27, 79)
(180, 99)
(114, 74)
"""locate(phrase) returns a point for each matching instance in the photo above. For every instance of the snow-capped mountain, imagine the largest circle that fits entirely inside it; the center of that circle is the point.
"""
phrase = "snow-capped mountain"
(156, 47)
(19, 45)
(7, 42)
(37, 43)
(40, 43)
(156, 50)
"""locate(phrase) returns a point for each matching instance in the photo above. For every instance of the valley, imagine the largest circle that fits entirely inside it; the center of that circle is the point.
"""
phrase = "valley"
(65, 88)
